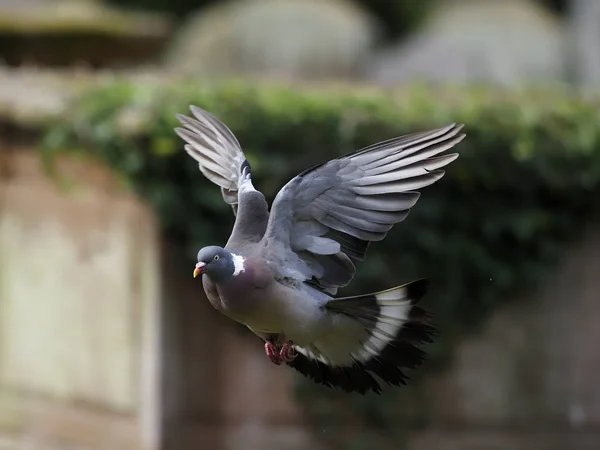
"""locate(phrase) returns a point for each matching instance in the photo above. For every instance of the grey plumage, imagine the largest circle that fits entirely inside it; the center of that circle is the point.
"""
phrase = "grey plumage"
(285, 267)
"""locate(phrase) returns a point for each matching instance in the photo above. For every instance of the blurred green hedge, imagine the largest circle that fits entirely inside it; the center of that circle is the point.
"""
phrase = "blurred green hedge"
(526, 183)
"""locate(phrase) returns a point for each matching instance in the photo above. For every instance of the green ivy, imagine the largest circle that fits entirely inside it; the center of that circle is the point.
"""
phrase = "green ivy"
(525, 185)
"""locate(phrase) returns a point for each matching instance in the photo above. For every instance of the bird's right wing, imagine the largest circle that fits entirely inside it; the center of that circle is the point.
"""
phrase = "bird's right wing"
(216, 149)
(221, 159)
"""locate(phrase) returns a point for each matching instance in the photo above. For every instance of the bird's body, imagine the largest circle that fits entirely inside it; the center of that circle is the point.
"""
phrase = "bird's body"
(243, 300)
(280, 270)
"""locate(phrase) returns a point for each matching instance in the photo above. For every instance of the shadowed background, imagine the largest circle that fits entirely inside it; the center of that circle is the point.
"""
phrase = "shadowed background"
(106, 341)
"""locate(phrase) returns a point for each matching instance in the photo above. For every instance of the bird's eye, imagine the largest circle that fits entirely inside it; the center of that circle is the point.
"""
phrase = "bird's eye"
(216, 258)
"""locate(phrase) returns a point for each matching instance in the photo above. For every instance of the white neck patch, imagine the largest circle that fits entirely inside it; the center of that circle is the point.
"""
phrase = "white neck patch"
(238, 264)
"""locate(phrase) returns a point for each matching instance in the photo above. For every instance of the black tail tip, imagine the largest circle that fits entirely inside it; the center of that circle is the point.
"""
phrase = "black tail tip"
(415, 290)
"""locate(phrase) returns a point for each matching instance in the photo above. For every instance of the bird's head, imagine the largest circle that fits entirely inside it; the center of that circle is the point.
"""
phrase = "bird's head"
(218, 264)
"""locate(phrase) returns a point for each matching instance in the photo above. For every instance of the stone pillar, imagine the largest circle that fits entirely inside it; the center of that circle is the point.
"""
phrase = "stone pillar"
(79, 297)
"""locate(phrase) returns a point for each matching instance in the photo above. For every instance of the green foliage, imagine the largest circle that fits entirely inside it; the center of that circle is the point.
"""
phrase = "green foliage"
(526, 183)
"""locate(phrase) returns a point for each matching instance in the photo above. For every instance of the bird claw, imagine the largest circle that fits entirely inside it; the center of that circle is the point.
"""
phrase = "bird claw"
(276, 355)
(272, 353)
(287, 353)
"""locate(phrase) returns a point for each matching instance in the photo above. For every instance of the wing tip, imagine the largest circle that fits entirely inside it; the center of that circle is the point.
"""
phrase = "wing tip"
(181, 132)
(197, 111)
(452, 156)
(189, 136)
(448, 133)
(454, 126)
(458, 139)
(188, 122)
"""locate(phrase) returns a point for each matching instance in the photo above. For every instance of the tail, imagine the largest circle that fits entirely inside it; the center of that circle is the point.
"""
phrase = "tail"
(380, 334)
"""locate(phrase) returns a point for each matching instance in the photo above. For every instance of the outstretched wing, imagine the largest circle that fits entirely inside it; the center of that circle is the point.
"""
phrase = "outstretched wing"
(218, 152)
(221, 159)
(323, 220)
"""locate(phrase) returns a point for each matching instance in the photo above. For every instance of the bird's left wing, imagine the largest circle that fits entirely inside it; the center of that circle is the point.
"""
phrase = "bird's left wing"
(323, 220)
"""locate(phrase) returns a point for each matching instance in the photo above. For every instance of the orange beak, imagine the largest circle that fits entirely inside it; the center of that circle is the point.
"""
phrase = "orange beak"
(199, 269)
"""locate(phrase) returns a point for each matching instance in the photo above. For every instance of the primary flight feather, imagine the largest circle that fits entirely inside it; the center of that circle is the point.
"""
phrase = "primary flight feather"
(279, 272)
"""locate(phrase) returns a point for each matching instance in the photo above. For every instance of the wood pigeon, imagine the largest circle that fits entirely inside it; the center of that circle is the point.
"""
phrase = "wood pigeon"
(280, 271)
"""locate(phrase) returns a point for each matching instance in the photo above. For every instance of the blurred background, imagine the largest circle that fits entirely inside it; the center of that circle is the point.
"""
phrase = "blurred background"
(106, 341)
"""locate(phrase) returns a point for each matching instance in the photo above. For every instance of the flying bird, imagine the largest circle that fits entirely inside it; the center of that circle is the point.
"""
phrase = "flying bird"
(280, 270)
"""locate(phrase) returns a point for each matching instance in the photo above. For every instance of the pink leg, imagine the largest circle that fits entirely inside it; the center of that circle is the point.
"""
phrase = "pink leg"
(272, 353)
(287, 352)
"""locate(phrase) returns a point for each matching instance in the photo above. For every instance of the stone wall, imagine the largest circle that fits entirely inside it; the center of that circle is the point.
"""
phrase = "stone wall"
(78, 309)
(529, 379)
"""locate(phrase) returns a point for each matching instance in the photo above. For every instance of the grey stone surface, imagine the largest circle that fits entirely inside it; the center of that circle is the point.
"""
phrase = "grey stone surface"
(466, 41)
(506, 440)
(79, 297)
(529, 379)
(280, 38)
(584, 21)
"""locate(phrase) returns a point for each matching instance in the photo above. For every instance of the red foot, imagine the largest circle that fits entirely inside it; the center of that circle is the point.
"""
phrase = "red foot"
(272, 353)
(287, 352)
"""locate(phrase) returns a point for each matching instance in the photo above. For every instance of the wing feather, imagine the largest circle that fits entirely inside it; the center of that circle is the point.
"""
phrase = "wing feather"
(352, 201)
(217, 151)
(221, 159)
